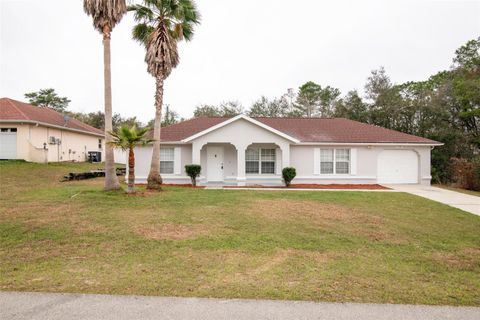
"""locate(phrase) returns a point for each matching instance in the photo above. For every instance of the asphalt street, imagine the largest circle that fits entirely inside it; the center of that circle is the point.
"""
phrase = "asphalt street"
(43, 306)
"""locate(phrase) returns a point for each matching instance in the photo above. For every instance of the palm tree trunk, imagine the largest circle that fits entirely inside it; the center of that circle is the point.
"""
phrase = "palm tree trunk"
(111, 180)
(131, 171)
(154, 179)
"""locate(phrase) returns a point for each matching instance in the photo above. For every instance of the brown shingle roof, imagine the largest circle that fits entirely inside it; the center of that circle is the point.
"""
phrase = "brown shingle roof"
(13, 110)
(187, 128)
(334, 130)
(339, 130)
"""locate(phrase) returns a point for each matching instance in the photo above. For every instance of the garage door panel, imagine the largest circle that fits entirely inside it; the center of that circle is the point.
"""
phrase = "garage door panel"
(397, 167)
(8, 144)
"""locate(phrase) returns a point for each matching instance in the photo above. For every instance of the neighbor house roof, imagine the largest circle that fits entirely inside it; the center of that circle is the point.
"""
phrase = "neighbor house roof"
(305, 130)
(17, 111)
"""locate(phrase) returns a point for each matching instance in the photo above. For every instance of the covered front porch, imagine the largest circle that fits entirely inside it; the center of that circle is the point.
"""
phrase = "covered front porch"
(225, 163)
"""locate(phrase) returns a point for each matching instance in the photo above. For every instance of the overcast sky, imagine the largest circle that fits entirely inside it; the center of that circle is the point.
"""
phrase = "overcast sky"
(241, 50)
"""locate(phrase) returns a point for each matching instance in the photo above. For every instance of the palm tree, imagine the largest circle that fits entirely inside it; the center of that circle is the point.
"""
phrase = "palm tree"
(161, 25)
(127, 138)
(106, 14)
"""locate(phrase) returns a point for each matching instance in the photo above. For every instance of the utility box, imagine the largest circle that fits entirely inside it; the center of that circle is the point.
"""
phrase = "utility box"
(94, 156)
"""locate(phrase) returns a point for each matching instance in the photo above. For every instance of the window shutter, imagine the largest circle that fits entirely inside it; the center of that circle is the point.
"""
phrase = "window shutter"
(353, 161)
(316, 161)
(177, 160)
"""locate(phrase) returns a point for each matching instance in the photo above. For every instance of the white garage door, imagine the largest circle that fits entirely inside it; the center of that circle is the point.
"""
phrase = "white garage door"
(8, 143)
(397, 166)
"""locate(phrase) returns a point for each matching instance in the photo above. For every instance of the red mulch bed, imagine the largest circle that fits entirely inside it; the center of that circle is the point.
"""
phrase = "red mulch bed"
(321, 186)
(186, 185)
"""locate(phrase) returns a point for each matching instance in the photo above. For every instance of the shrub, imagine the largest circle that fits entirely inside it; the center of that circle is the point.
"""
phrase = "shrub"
(466, 173)
(193, 171)
(288, 174)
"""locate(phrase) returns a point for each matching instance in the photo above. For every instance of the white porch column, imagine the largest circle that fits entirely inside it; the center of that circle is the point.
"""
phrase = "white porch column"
(241, 177)
(196, 148)
(285, 155)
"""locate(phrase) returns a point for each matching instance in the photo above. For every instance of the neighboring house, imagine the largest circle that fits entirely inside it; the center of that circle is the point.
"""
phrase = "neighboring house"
(245, 151)
(40, 134)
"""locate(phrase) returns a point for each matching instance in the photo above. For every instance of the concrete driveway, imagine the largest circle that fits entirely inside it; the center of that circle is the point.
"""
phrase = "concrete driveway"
(43, 306)
(458, 200)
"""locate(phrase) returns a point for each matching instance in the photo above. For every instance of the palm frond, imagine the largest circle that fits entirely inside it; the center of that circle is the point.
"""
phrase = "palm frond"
(160, 25)
(141, 32)
(125, 137)
(162, 53)
(105, 13)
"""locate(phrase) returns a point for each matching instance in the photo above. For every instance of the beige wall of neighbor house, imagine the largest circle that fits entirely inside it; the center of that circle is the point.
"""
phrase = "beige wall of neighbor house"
(73, 147)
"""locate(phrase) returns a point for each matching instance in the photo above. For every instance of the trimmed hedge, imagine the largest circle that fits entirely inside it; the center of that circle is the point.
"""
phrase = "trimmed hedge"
(193, 171)
(288, 175)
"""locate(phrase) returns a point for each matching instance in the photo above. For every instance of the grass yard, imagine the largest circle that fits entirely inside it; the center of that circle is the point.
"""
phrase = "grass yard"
(322, 246)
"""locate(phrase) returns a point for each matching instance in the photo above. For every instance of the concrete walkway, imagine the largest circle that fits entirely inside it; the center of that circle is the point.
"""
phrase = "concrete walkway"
(43, 306)
(458, 200)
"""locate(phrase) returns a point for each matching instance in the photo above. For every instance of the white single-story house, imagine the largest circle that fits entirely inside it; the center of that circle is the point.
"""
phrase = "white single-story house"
(245, 151)
(43, 135)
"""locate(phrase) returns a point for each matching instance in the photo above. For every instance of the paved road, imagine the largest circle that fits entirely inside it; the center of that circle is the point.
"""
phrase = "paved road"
(43, 306)
(458, 200)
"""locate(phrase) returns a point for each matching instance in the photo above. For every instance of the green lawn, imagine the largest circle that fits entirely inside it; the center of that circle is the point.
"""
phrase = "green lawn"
(322, 246)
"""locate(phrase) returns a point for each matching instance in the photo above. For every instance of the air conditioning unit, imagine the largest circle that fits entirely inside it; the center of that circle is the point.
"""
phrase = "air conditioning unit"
(52, 140)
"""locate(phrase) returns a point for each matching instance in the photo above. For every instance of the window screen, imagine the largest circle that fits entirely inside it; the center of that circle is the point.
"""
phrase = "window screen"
(252, 158)
(342, 161)
(326, 161)
(268, 161)
(260, 161)
(167, 156)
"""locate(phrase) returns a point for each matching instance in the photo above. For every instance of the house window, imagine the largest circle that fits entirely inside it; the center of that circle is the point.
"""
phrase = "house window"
(335, 161)
(252, 161)
(326, 161)
(268, 161)
(167, 160)
(260, 161)
(100, 144)
(342, 161)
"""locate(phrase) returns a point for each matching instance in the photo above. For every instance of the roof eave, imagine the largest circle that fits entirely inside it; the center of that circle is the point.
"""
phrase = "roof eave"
(436, 144)
(53, 126)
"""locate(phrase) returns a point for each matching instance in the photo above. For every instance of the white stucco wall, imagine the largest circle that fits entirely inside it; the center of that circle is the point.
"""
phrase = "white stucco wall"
(236, 137)
(241, 134)
(365, 171)
(74, 145)
(143, 158)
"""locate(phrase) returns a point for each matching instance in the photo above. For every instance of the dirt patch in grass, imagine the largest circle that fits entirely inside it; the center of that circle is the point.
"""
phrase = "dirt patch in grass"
(238, 268)
(306, 209)
(171, 231)
(465, 259)
(315, 213)
(51, 215)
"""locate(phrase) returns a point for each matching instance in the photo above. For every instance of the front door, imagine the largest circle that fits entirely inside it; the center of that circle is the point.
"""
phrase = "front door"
(214, 163)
